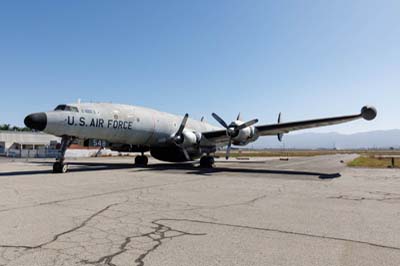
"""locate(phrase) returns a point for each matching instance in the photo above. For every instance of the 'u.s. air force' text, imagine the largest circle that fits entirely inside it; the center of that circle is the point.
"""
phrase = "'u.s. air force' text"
(99, 123)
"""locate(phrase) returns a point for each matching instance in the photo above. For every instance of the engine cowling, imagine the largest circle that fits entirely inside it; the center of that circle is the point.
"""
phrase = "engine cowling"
(190, 138)
(245, 136)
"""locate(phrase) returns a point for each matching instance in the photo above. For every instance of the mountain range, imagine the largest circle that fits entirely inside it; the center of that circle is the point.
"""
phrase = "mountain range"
(364, 140)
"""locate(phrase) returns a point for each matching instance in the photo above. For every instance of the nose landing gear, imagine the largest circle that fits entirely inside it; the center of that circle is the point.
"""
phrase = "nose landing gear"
(59, 166)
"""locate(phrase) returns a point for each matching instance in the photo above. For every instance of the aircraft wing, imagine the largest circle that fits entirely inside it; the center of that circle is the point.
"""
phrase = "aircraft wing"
(367, 112)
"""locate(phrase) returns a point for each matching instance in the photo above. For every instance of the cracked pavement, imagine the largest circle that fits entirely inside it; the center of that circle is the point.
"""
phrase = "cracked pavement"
(306, 211)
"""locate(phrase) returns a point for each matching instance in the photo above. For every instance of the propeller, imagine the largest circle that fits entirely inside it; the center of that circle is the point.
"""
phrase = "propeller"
(232, 130)
(179, 138)
(280, 135)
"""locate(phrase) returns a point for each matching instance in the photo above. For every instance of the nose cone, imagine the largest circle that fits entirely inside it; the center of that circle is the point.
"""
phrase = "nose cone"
(36, 121)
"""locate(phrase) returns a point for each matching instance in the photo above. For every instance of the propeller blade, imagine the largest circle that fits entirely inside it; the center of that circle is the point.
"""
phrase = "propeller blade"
(228, 149)
(238, 117)
(220, 120)
(182, 126)
(187, 157)
(247, 124)
(178, 138)
(280, 135)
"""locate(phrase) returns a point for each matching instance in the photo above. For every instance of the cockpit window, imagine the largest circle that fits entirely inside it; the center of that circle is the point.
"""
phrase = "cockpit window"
(64, 107)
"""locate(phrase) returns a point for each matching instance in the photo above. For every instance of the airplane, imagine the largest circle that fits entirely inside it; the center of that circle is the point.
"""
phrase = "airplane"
(168, 137)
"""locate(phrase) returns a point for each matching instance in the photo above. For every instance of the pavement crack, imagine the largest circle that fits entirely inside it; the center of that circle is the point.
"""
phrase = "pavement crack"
(57, 236)
(281, 231)
(344, 197)
(108, 258)
(159, 233)
(100, 194)
(213, 207)
(247, 202)
(375, 196)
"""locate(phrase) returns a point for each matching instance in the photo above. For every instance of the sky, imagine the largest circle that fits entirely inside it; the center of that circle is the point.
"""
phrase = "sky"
(306, 59)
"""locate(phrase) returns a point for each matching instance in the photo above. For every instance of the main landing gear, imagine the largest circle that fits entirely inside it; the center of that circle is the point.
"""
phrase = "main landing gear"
(207, 161)
(59, 166)
(141, 160)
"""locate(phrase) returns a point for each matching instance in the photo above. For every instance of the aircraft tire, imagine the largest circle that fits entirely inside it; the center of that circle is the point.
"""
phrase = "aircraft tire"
(207, 162)
(145, 160)
(60, 168)
(141, 160)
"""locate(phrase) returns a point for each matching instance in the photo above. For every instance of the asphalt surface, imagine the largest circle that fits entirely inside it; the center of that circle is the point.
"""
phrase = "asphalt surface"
(305, 211)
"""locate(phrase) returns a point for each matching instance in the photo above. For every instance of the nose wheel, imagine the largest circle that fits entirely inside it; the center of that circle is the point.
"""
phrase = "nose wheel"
(141, 160)
(59, 166)
(207, 162)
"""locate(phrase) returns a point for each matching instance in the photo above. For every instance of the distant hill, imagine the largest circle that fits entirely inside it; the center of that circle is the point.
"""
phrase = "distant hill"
(372, 139)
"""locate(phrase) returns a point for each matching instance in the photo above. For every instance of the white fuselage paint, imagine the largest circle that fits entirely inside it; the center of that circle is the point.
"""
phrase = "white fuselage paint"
(119, 123)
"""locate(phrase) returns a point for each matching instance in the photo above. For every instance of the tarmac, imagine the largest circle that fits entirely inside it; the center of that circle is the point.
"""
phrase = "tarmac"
(262, 211)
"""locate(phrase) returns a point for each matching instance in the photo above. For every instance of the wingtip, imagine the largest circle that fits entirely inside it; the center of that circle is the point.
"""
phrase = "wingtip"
(369, 112)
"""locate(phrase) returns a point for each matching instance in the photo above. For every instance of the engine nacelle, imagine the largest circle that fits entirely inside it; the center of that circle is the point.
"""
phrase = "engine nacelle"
(190, 138)
(245, 136)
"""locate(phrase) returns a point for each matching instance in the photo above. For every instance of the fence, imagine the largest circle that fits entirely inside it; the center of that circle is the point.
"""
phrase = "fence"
(53, 153)
(39, 153)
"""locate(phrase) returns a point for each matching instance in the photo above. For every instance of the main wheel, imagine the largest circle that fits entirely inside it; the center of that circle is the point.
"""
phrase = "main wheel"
(145, 160)
(207, 162)
(60, 168)
(211, 160)
(141, 160)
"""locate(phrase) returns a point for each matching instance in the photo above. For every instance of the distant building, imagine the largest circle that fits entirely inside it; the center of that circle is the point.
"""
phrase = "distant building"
(27, 144)
(41, 145)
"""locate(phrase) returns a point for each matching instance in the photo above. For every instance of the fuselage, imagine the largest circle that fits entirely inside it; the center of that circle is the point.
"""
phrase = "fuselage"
(118, 123)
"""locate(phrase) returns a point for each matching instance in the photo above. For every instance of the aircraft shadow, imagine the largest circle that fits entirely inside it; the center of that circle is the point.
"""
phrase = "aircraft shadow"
(80, 168)
(193, 169)
(188, 168)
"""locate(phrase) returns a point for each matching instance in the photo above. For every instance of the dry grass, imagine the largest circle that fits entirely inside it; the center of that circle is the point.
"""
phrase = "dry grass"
(374, 162)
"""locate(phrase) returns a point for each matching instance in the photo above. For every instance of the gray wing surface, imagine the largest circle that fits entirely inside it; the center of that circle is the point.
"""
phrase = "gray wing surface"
(367, 112)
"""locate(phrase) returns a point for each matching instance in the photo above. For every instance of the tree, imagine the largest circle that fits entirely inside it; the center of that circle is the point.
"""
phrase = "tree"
(5, 127)
(13, 128)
